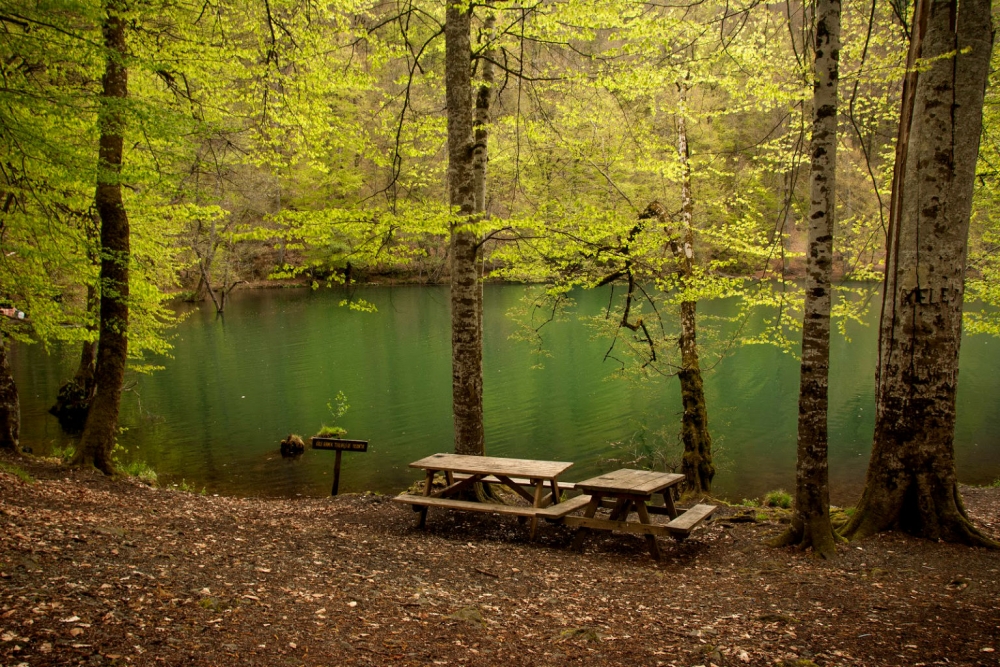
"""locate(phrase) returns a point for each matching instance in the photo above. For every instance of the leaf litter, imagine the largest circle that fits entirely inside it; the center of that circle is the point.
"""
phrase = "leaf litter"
(110, 572)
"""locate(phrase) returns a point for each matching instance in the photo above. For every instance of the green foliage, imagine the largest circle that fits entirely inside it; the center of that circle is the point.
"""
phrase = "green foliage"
(17, 471)
(778, 498)
(64, 454)
(185, 487)
(140, 470)
(657, 450)
(338, 407)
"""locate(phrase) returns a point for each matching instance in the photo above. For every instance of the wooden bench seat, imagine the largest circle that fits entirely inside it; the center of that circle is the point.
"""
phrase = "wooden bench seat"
(551, 512)
(688, 520)
(560, 510)
(467, 505)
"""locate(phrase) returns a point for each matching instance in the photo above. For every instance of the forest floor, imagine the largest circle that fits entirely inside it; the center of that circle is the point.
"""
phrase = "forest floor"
(110, 572)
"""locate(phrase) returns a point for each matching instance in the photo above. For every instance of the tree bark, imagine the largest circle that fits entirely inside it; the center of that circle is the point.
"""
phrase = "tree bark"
(466, 331)
(810, 524)
(10, 405)
(696, 463)
(911, 482)
(75, 395)
(98, 438)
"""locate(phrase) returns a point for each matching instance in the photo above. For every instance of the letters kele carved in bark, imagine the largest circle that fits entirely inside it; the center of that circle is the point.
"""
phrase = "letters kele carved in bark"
(911, 482)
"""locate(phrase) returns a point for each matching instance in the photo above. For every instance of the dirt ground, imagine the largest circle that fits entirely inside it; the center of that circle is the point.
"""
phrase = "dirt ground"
(110, 572)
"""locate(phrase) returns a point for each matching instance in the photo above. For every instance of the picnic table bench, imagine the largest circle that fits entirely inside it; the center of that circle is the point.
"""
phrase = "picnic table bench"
(526, 477)
(625, 491)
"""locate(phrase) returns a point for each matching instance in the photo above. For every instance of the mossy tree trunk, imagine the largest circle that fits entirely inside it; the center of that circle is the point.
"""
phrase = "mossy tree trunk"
(911, 482)
(466, 331)
(10, 405)
(810, 525)
(101, 429)
(696, 463)
(75, 395)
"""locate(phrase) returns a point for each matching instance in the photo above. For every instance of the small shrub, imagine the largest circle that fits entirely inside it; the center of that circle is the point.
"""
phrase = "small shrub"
(332, 432)
(750, 502)
(64, 454)
(17, 471)
(778, 498)
(141, 470)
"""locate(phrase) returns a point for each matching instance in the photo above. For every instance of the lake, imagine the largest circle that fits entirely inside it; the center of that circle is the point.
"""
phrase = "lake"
(235, 386)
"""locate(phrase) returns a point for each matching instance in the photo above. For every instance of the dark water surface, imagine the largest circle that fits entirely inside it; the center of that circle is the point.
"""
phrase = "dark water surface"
(235, 387)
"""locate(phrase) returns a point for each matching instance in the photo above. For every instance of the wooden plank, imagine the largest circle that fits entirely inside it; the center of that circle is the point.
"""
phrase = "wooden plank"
(563, 508)
(455, 487)
(654, 548)
(516, 488)
(489, 465)
(465, 505)
(687, 521)
(620, 526)
(643, 482)
(523, 481)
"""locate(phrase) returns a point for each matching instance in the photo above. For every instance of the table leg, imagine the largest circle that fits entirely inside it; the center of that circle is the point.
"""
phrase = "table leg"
(654, 548)
(539, 489)
(620, 511)
(581, 532)
(668, 502)
(428, 483)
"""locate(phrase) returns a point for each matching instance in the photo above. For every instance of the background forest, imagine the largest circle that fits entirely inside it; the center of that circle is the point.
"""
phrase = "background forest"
(660, 148)
(284, 140)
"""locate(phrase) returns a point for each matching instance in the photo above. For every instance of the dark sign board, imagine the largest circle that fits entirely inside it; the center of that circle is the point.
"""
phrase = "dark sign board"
(339, 444)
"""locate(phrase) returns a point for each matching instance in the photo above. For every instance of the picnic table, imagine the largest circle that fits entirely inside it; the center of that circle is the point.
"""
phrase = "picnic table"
(632, 490)
(526, 477)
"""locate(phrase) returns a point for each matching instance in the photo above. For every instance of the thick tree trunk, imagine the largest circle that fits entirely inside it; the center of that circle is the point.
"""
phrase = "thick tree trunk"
(73, 400)
(10, 405)
(911, 482)
(810, 525)
(696, 463)
(98, 438)
(466, 333)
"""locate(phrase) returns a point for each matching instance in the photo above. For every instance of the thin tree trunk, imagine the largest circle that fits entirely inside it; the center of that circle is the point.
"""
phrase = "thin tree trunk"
(98, 438)
(466, 333)
(10, 405)
(810, 525)
(696, 463)
(911, 482)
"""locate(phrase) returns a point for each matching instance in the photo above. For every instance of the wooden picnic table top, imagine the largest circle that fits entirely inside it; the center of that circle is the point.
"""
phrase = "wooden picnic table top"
(492, 465)
(626, 481)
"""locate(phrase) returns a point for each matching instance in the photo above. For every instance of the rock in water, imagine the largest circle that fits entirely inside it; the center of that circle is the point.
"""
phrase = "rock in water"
(292, 446)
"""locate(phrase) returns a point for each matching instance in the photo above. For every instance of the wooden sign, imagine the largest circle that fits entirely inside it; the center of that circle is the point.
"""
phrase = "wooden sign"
(340, 446)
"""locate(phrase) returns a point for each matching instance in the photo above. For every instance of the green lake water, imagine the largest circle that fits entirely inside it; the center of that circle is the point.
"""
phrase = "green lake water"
(235, 386)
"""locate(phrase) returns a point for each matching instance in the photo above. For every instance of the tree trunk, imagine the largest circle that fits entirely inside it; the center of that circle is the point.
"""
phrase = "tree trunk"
(911, 482)
(696, 463)
(466, 333)
(75, 395)
(810, 525)
(10, 405)
(98, 438)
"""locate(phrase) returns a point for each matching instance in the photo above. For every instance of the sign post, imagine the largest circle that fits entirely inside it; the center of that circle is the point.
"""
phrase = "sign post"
(340, 446)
